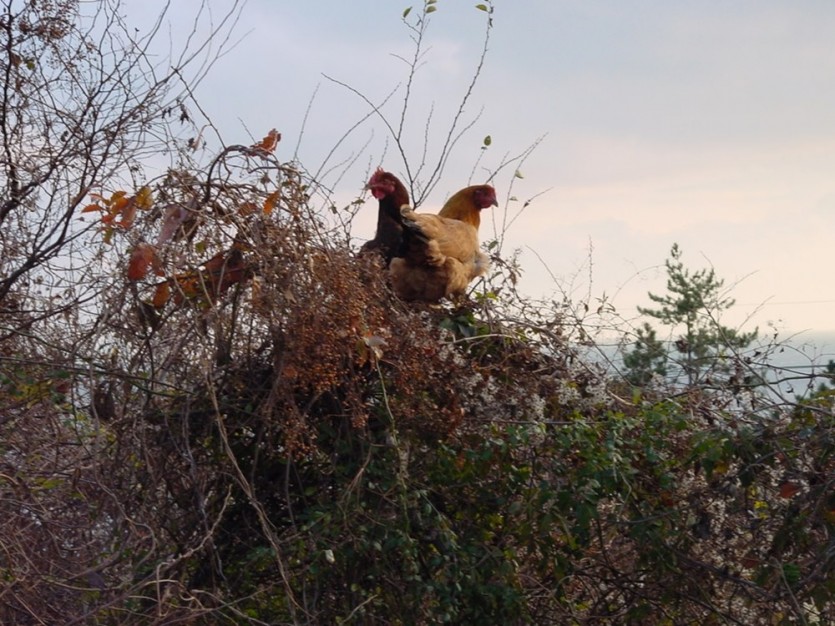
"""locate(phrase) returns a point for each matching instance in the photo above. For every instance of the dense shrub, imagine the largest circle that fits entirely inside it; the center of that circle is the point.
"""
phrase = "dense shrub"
(213, 411)
(302, 447)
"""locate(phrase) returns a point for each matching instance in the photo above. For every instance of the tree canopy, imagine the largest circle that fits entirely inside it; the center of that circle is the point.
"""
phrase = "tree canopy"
(701, 348)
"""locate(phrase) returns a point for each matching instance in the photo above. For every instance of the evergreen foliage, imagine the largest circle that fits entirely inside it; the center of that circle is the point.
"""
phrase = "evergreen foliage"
(702, 347)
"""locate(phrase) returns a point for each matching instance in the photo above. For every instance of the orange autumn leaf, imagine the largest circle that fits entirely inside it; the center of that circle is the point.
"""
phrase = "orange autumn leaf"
(115, 205)
(271, 201)
(127, 207)
(187, 286)
(268, 143)
(120, 205)
(117, 201)
(144, 256)
(128, 211)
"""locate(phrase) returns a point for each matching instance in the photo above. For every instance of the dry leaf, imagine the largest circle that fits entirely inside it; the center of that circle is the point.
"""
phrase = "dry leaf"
(268, 143)
(175, 216)
(144, 198)
(375, 343)
(144, 255)
(789, 489)
(247, 208)
(271, 201)
(161, 295)
(128, 212)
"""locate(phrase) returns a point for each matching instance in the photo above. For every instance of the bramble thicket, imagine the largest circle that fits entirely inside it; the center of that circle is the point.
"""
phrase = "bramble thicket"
(213, 411)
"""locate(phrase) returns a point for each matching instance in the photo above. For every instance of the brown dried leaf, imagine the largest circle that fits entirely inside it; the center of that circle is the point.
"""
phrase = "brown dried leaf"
(269, 142)
(161, 295)
(128, 212)
(144, 198)
(789, 489)
(247, 208)
(144, 256)
(271, 201)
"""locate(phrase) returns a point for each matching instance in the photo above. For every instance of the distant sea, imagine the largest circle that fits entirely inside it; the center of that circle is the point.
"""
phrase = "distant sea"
(804, 348)
(790, 357)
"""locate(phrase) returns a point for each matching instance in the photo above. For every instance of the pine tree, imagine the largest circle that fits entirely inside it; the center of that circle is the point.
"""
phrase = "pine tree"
(690, 309)
(647, 358)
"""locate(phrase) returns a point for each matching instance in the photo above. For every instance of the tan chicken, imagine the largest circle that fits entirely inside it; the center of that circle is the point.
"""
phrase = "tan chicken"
(438, 255)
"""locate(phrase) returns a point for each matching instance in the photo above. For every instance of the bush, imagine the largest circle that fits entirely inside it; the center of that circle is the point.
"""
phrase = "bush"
(228, 417)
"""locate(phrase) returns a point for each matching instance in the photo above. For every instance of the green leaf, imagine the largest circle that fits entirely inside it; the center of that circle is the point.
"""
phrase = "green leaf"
(406, 12)
(488, 140)
(481, 7)
(791, 572)
(517, 174)
(50, 483)
(431, 9)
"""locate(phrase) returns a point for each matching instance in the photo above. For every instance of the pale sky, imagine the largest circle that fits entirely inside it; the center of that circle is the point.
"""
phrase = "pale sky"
(710, 124)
